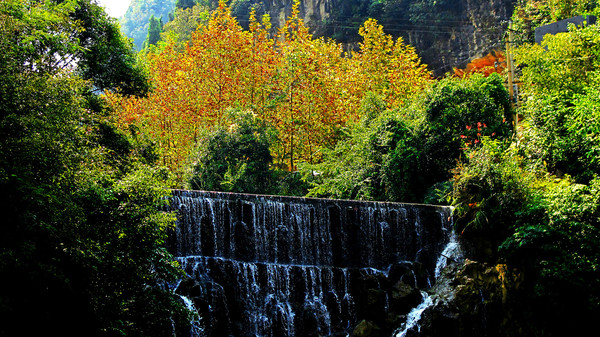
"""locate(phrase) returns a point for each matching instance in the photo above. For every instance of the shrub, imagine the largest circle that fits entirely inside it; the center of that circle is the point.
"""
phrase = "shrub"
(236, 158)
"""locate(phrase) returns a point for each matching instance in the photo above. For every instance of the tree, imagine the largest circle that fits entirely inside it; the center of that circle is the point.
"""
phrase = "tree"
(236, 158)
(306, 88)
(458, 114)
(105, 56)
(134, 23)
(535, 201)
(558, 78)
(82, 244)
(311, 112)
(493, 62)
(155, 28)
(185, 22)
(388, 66)
(184, 4)
(529, 15)
(400, 154)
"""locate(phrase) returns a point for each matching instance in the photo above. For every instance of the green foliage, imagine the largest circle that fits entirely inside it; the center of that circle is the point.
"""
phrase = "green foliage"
(547, 227)
(401, 155)
(530, 14)
(490, 188)
(107, 58)
(82, 231)
(458, 114)
(155, 27)
(134, 23)
(560, 80)
(535, 203)
(352, 169)
(236, 159)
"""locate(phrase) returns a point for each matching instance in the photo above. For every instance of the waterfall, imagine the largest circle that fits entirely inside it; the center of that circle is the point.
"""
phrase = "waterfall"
(196, 329)
(287, 266)
(414, 315)
(451, 253)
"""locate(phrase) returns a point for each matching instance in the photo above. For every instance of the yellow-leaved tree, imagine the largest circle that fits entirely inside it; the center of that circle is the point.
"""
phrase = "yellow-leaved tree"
(306, 89)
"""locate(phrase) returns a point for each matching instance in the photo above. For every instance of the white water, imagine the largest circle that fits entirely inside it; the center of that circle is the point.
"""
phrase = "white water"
(196, 329)
(451, 253)
(414, 316)
(277, 266)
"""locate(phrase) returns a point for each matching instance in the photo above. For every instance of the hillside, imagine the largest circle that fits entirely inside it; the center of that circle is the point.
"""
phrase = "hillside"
(134, 24)
(445, 33)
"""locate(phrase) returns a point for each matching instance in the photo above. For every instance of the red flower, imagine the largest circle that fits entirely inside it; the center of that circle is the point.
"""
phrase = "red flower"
(468, 127)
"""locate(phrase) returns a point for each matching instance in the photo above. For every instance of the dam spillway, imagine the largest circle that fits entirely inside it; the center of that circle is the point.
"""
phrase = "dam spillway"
(287, 266)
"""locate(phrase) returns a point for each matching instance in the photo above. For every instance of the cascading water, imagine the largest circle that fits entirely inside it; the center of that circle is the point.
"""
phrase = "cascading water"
(451, 253)
(285, 266)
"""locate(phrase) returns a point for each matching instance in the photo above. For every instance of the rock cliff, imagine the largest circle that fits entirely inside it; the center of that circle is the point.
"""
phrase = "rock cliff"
(446, 33)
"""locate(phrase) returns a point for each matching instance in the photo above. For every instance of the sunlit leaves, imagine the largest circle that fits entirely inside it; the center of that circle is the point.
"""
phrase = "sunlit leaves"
(559, 79)
(306, 88)
(493, 62)
(388, 67)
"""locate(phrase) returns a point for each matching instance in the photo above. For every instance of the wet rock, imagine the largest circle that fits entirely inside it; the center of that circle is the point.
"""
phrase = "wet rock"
(366, 329)
(404, 297)
(470, 301)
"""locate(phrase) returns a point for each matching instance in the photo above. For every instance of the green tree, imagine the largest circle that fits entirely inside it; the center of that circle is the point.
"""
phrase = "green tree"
(236, 158)
(559, 79)
(155, 28)
(458, 113)
(82, 245)
(402, 154)
(134, 23)
(104, 55)
(533, 204)
(377, 161)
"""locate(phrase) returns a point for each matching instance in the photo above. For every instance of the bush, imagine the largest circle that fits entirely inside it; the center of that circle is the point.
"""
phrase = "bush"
(377, 161)
(236, 158)
(400, 155)
(458, 114)
(547, 227)
(490, 188)
(560, 81)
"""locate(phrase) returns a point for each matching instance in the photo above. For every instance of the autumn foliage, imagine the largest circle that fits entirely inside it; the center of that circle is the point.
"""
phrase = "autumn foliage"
(305, 88)
(493, 62)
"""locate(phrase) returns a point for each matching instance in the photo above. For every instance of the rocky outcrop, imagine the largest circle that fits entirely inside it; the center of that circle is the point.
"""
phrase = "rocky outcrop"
(446, 39)
(479, 29)
(472, 299)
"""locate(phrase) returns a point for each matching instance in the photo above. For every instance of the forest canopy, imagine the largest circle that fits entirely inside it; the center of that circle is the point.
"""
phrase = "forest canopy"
(305, 89)
(93, 135)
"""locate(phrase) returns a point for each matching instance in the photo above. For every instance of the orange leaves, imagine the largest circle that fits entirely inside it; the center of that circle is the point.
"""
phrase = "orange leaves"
(493, 62)
(306, 88)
